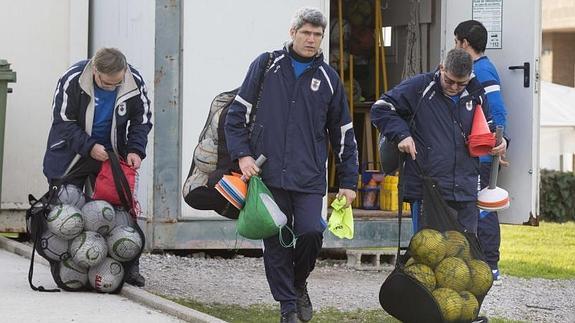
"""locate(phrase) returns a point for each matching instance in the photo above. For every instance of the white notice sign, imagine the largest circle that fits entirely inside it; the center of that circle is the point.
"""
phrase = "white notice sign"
(490, 14)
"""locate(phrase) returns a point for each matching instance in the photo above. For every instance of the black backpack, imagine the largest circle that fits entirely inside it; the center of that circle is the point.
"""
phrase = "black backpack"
(211, 159)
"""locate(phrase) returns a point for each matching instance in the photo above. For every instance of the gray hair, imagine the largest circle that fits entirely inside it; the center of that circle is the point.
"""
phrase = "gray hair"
(109, 61)
(458, 62)
(308, 15)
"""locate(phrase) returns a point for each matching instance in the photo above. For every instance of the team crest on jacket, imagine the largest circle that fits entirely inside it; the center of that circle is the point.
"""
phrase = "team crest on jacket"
(315, 84)
(122, 109)
(469, 105)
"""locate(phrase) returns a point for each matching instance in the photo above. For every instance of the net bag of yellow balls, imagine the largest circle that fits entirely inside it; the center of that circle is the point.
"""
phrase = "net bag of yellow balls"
(442, 276)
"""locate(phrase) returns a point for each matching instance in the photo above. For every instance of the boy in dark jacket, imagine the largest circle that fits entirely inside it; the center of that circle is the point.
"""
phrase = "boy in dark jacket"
(471, 36)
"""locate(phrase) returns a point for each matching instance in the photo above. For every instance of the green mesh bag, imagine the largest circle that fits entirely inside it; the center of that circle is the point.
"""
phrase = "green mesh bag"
(261, 217)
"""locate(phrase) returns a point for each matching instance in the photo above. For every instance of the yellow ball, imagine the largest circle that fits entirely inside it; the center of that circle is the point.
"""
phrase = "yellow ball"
(449, 303)
(423, 274)
(410, 262)
(469, 307)
(428, 247)
(457, 245)
(481, 277)
(453, 273)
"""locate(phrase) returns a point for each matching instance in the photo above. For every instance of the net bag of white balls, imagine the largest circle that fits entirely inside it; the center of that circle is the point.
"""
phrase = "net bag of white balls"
(89, 243)
(442, 277)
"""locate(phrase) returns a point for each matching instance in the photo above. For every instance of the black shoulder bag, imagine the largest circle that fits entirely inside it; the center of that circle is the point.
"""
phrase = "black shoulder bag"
(125, 194)
(36, 217)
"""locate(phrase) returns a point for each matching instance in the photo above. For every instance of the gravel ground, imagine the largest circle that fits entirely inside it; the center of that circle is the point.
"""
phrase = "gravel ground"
(242, 281)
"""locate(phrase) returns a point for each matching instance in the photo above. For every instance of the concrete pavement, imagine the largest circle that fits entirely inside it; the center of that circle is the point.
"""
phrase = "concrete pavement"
(19, 303)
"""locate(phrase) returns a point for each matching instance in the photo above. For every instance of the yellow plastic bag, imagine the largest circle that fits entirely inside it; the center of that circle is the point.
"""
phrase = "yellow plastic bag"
(341, 219)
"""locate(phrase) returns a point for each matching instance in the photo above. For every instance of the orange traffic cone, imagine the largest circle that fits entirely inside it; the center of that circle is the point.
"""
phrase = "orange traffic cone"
(481, 140)
(479, 126)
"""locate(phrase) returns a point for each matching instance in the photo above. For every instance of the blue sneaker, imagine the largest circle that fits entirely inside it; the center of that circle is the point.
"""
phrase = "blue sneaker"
(496, 277)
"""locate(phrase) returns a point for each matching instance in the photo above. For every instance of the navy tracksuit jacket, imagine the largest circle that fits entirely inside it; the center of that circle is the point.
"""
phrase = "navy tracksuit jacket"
(294, 119)
(440, 131)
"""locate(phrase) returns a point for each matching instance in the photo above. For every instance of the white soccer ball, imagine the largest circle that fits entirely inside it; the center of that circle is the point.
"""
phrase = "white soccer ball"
(65, 221)
(53, 247)
(98, 216)
(71, 194)
(122, 218)
(88, 249)
(72, 275)
(107, 276)
(124, 243)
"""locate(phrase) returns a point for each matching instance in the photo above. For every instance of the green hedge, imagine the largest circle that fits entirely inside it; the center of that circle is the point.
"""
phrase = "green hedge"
(557, 196)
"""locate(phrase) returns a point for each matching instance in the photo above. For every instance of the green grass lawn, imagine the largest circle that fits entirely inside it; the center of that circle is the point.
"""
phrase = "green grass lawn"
(546, 251)
(269, 313)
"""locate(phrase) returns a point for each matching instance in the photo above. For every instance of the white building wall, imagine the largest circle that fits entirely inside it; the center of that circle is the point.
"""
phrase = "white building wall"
(41, 39)
(129, 25)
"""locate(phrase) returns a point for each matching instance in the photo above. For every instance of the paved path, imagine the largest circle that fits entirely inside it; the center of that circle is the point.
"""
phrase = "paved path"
(19, 303)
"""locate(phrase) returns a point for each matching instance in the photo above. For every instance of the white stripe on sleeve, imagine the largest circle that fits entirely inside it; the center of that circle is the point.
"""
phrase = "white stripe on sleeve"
(344, 130)
(144, 98)
(327, 78)
(492, 88)
(385, 103)
(247, 105)
(65, 97)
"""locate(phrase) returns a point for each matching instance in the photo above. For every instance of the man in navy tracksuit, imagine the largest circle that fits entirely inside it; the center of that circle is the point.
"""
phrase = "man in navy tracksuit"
(99, 104)
(471, 36)
(443, 103)
(302, 106)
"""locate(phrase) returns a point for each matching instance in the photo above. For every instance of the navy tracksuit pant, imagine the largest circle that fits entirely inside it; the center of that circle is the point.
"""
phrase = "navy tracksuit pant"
(288, 268)
(488, 230)
(466, 214)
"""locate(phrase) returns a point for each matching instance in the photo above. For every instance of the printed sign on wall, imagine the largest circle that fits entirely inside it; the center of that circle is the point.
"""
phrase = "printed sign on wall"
(490, 14)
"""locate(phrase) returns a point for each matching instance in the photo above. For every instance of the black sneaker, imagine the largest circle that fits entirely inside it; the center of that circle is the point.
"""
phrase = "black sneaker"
(304, 307)
(135, 279)
(290, 317)
(133, 276)
(481, 319)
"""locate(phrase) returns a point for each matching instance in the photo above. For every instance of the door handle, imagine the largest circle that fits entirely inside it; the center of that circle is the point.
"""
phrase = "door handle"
(526, 72)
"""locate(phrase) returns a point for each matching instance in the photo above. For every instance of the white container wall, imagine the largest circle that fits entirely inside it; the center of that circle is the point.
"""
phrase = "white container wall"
(41, 39)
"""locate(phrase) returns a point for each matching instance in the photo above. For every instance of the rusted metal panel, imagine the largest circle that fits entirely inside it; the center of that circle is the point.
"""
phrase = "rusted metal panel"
(167, 124)
(221, 234)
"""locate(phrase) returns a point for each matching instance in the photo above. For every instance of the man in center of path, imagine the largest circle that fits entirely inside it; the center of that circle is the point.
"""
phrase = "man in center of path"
(302, 104)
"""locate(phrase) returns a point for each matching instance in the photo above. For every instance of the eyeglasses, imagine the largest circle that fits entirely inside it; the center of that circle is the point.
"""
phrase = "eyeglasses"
(451, 82)
(105, 83)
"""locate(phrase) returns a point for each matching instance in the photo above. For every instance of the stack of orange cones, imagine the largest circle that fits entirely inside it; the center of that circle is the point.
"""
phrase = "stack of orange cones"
(233, 189)
(481, 140)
